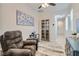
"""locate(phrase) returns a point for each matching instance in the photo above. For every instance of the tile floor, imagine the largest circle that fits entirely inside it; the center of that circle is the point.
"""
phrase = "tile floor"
(55, 48)
(50, 49)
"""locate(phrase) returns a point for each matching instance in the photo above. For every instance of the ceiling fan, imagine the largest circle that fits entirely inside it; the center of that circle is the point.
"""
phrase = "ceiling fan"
(44, 5)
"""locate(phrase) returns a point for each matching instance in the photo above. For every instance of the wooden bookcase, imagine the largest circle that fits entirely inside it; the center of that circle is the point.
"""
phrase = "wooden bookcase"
(45, 30)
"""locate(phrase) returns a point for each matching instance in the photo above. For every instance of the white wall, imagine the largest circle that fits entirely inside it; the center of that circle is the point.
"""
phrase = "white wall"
(0, 20)
(75, 14)
(8, 17)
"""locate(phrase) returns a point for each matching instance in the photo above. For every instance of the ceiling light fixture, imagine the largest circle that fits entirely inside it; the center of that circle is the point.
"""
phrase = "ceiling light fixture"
(44, 5)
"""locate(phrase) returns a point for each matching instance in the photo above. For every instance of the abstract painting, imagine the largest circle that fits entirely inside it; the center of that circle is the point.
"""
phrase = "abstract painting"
(24, 19)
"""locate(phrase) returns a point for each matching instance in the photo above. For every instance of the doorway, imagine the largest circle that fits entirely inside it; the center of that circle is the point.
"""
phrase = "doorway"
(60, 27)
(60, 30)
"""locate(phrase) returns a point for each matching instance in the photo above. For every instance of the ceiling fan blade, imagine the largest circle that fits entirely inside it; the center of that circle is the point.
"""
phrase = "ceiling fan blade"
(39, 7)
(52, 4)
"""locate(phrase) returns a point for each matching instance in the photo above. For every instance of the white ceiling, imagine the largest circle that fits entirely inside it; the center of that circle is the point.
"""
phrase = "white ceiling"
(60, 8)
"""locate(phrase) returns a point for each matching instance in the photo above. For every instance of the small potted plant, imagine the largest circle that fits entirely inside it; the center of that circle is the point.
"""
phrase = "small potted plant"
(74, 35)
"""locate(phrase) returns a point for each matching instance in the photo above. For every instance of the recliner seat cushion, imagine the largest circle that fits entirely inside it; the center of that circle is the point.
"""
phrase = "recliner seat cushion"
(19, 44)
(12, 46)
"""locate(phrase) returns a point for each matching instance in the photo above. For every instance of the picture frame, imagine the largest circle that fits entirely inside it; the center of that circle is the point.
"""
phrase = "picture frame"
(24, 19)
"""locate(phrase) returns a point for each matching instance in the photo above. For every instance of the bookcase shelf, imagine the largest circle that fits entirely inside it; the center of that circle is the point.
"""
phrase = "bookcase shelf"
(45, 30)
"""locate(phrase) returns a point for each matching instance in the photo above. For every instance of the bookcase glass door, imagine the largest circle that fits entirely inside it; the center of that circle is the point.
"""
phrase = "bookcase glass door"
(45, 30)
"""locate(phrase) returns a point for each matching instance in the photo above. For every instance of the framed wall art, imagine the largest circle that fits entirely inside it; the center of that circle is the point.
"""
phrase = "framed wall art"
(24, 19)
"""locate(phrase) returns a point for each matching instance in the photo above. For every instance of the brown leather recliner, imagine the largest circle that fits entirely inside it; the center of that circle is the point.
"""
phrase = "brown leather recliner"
(13, 45)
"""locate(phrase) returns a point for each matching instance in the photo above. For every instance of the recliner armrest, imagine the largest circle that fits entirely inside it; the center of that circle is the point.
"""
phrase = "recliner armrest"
(30, 42)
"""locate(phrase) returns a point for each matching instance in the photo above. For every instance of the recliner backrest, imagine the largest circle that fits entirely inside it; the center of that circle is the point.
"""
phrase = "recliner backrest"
(13, 39)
